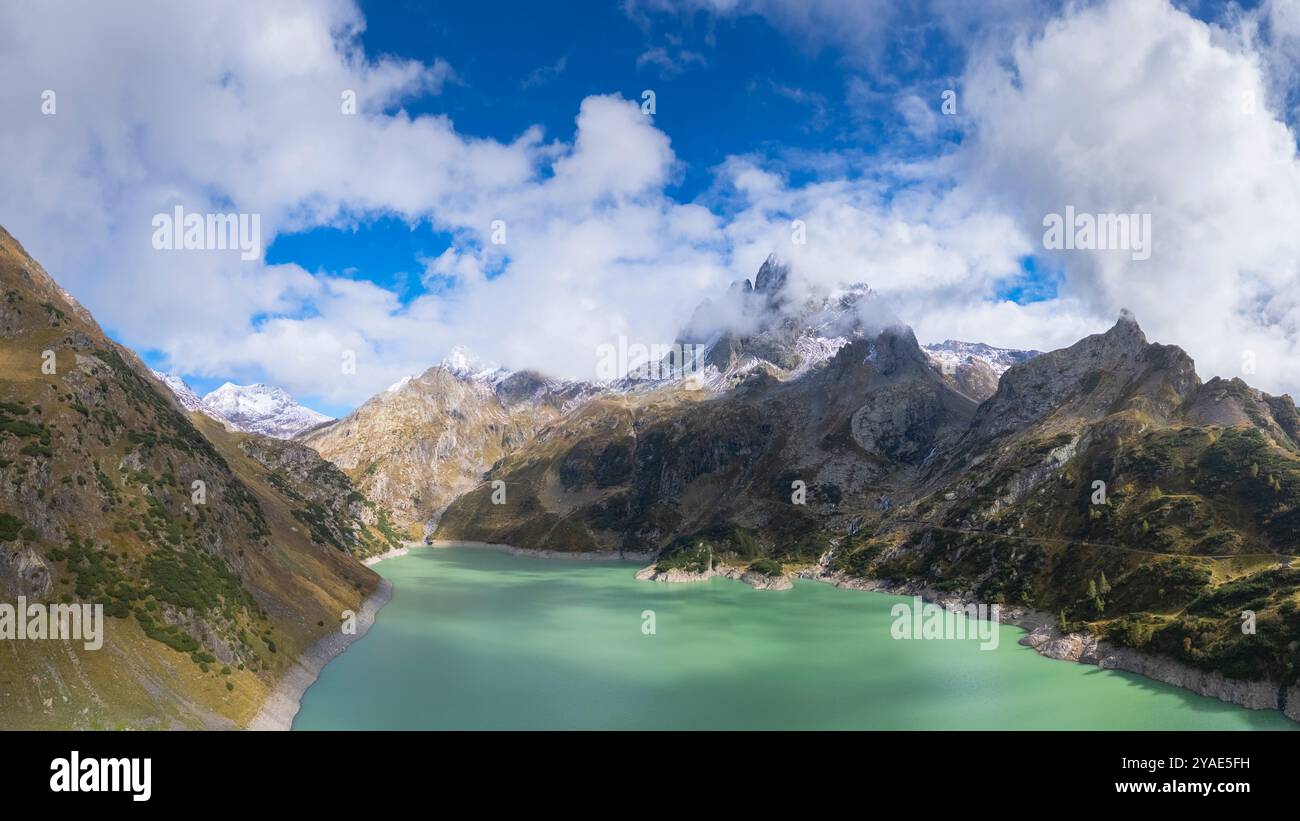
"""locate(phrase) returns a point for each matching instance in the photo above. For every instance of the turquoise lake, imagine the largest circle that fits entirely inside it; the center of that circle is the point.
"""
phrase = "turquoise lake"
(480, 639)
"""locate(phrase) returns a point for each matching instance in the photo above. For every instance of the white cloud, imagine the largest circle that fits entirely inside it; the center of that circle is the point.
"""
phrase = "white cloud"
(670, 62)
(1127, 105)
(240, 109)
(1133, 106)
(544, 74)
(866, 31)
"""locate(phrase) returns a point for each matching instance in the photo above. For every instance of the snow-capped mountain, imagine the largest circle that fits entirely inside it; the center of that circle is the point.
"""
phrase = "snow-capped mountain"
(949, 354)
(466, 364)
(263, 409)
(762, 326)
(188, 398)
(247, 408)
(430, 437)
(973, 368)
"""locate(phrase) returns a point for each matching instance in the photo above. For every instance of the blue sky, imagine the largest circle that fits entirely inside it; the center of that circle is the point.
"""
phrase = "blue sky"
(733, 86)
(825, 111)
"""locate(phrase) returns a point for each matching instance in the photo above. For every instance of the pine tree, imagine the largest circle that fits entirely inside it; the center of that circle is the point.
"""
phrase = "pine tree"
(1103, 586)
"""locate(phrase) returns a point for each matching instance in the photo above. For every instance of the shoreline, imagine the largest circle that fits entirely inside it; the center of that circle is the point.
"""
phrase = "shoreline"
(285, 700)
(371, 561)
(281, 706)
(591, 556)
(1044, 637)
(1041, 634)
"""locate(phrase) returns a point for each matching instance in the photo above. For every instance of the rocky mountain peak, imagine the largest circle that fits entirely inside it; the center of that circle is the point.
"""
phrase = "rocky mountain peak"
(951, 354)
(974, 368)
(772, 276)
(1126, 333)
(462, 361)
(756, 326)
(264, 409)
(256, 408)
(896, 350)
(739, 288)
(1097, 376)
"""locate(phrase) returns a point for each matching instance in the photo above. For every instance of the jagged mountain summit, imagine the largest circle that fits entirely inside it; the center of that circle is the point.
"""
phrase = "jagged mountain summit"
(428, 438)
(262, 409)
(763, 326)
(463, 362)
(255, 408)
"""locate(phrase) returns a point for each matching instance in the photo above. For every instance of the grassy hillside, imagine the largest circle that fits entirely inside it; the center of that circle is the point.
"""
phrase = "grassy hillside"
(209, 598)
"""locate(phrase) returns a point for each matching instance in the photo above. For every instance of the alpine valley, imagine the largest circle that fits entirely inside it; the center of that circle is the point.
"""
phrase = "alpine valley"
(1122, 510)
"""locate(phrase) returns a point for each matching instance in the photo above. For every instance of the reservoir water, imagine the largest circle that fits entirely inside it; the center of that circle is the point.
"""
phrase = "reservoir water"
(481, 639)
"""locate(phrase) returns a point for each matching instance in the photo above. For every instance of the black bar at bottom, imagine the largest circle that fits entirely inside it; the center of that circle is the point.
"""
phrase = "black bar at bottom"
(452, 772)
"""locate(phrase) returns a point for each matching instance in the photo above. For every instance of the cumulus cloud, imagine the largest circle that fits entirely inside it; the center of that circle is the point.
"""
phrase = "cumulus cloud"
(1120, 106)
(1132, 106)
(220, 111)
(1125, 105)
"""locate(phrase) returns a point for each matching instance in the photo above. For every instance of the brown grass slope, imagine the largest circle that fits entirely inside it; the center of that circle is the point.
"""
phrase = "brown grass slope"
(417, 447)
(208, 603)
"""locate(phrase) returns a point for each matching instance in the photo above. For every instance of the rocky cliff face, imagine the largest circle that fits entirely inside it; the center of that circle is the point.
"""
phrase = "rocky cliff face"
(416, 447)
(323, 499)
(656, 471)
(111, 494)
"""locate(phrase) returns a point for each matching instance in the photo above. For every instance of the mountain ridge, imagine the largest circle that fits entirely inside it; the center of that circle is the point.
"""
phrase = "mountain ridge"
(255, 408)
(903, 478)
(210, 575)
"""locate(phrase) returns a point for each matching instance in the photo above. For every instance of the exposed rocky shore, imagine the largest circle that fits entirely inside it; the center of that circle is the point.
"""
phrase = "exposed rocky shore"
(1046, 638)
(282, 705)
(758, 581)
(1042, 635)
(595, 556)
